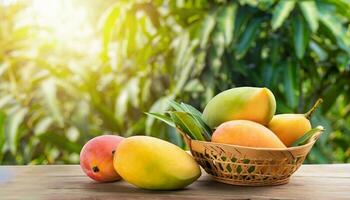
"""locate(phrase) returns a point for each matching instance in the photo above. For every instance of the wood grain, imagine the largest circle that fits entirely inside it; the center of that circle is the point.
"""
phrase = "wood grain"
(68, 182)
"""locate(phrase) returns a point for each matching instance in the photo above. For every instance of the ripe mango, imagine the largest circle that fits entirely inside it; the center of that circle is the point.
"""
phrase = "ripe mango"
(289, 127)
(247, 103)
(246, 133)
(155, 164)
(96, 158)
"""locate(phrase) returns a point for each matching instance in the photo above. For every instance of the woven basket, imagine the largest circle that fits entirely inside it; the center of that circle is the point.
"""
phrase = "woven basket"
(246, 166)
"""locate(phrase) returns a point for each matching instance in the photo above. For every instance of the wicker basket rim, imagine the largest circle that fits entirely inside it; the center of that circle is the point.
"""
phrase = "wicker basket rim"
(309, 143)
(256, 148)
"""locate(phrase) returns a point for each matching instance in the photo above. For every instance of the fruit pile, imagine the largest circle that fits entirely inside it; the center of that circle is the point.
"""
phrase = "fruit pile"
(143, 161)
(242, 116)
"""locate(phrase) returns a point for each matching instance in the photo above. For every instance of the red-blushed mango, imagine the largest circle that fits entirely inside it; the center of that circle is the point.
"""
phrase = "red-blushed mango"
(96, 158)
(246, 133)
(289, 127)
(247, 103)
(155, 164)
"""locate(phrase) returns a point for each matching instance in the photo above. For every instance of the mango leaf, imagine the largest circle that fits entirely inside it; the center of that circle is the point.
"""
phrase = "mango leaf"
(207, 27)
(290, 83)
(306, 137)
(2, 131)
(4, 100)
(320, 52)
(163, 118)
(300, 36)
(330, 94)
(43, 125)
(49, 93)
(242, 17)
(248, 37)
(190, 109)
(184, 76)
(13, 121)
(160, 106)
(310, 12)
(187, 124)
(206, 130)
(281, 12)
(176, 106)
(331, 21)
(61, 142)
(107, 22)
(195, 114)
(226, 20)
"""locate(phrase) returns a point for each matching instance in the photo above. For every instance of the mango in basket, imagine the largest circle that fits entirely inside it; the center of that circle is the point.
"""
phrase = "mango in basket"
(152, 163)
(248, 103)
(246, 133)
(290, 127)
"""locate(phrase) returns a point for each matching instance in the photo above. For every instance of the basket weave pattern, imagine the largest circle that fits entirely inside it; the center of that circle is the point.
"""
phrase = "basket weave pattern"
(238, 165)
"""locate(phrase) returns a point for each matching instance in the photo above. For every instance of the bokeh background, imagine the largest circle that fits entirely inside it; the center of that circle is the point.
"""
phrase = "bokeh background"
(74, 69)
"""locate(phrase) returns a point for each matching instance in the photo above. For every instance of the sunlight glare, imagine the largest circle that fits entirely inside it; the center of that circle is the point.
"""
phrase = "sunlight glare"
(64, 18)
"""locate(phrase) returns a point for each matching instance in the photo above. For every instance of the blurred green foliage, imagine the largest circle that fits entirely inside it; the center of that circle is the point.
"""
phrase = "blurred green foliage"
(56, 95)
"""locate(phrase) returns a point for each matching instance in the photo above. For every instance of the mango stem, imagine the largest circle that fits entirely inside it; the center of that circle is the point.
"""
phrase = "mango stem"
(313, 109)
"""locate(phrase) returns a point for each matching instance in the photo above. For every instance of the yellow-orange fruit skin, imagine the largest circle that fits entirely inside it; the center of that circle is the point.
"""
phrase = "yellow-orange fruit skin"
(246, 133)
(289, 127)
(155, 164)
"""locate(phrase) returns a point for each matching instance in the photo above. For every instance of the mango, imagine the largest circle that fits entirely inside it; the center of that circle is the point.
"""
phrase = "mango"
(289, 127)
(247, 103)
(246, 133)
(155, 164)
(96, 158)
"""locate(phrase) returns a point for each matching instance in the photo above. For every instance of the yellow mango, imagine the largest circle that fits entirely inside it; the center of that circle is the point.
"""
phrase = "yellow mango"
(246, 103)
(246, 133)
(289, 127)
(155, 164)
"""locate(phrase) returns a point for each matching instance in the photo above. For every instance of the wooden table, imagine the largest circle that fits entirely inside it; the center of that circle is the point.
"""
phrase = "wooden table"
(68, 182)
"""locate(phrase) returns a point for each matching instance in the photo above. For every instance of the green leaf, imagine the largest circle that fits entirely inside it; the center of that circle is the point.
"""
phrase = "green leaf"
(334, 23)
(248, 37)
(207, 27)
(226, 20)
(176, 106)
(107, 22)
(187, 124)
(310, 12)
(281, 12)
(12, 124)
(184, 76)
(49, 93)
(300, 36)
(206, 130)
(320, 52)
(190, 109)
(290, 83)
(2, 131)
(306, 137)
(160, 106)
(43, 125)
(242, 17)
(163, 118)
(61, 142)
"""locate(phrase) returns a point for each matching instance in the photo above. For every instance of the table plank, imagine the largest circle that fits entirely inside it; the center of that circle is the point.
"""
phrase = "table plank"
(69, 182)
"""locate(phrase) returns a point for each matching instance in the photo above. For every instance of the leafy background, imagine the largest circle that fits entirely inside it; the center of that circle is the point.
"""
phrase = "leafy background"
(59, 87)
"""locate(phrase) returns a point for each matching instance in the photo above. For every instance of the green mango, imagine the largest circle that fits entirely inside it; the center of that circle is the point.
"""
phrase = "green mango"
(241, 103)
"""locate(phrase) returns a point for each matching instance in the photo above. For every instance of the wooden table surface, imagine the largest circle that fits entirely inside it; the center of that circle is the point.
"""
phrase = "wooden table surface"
(69, 182)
